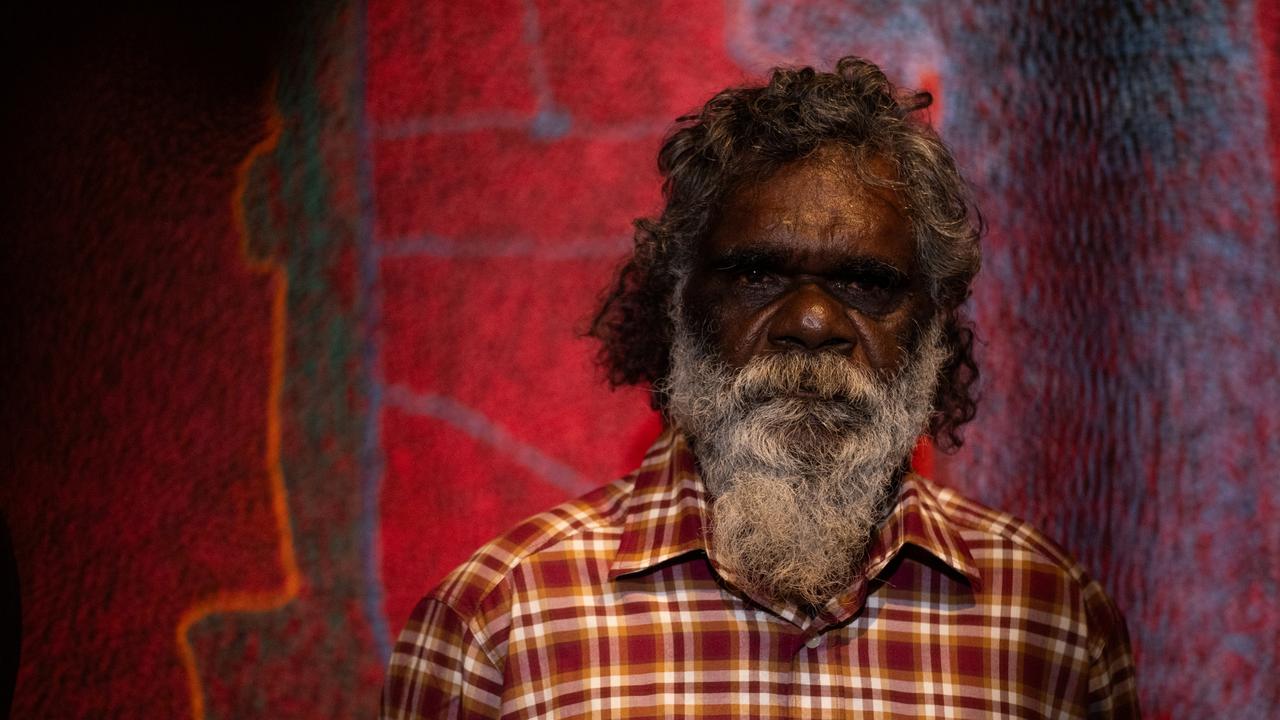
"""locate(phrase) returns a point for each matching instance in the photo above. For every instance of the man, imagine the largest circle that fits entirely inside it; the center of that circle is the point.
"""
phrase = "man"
(796, 308)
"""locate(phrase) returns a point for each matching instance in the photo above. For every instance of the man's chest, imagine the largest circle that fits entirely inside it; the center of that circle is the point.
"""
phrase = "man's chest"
(690, 649)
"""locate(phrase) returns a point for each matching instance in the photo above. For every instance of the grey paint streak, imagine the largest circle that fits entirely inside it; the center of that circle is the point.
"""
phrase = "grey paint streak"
(479, 426)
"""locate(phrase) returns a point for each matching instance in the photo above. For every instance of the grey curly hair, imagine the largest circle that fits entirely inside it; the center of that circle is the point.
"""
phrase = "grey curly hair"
(743, 135)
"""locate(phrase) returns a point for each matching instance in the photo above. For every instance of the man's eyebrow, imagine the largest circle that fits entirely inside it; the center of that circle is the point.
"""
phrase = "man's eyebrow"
(779, 259)
(752, 258)
(869, 265)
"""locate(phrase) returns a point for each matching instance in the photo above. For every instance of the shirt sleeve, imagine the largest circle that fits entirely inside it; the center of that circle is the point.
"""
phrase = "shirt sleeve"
(440, 669)
(1113, 692)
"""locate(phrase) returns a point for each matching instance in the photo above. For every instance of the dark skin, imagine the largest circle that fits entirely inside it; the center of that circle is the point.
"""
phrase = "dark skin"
(811, 260)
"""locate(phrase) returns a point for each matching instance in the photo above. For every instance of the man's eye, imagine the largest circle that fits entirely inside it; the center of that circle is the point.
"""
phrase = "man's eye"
(747, 274)
(874, 293)
(871, 283)
(863, 286)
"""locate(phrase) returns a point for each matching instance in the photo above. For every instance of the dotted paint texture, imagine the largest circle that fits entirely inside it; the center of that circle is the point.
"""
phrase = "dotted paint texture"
(344, 352)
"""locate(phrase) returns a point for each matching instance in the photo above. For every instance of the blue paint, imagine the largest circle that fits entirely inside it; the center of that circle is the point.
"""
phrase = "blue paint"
(551, 123)
(544, 126)
(437, 246)
(369, 298)
(457, 124)
(481, 427)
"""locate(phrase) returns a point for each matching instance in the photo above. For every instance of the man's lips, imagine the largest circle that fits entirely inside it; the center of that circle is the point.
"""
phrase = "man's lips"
(806, 395)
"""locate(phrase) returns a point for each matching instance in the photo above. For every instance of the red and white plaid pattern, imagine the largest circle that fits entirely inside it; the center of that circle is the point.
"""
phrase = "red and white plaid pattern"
(608, 606)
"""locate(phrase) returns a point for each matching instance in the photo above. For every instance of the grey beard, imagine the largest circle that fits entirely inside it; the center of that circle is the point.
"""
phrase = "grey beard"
(798, 484)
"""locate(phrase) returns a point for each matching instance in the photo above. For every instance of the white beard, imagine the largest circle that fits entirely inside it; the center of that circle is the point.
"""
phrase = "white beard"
(798, 484)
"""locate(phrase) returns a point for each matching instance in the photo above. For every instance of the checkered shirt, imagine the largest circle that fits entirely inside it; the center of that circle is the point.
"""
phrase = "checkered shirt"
(609, 607)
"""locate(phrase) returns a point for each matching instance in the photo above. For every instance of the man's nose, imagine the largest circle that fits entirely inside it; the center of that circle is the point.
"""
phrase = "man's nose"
(810, 319)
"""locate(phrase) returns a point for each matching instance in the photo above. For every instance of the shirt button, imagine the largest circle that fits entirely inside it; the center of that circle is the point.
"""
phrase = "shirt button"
(813, 642)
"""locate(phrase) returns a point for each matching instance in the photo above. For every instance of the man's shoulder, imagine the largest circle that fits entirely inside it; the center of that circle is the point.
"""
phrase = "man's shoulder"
(1014, 556)
(585, 529)
(992, 534)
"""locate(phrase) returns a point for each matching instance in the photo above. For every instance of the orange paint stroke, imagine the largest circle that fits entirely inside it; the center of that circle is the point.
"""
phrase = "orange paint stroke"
(245, 601)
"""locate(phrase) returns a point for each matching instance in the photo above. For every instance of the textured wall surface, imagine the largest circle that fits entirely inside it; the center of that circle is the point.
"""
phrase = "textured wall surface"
(291, 317)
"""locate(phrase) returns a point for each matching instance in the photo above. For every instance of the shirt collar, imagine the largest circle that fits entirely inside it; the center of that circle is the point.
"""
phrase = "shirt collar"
(668, 506)
(918, 519)
(666, 509)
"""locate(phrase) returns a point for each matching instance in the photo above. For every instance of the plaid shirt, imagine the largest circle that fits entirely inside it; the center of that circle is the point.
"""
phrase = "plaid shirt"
(608, 606)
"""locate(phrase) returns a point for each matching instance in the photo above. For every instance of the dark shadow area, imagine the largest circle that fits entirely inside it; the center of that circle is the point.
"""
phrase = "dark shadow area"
(121, 132)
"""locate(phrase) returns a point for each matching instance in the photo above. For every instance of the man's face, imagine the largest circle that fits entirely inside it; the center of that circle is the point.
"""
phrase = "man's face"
(810, 259)
(803, 366)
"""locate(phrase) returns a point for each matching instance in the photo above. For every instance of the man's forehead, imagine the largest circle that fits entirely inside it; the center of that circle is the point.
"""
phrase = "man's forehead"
(818, 204)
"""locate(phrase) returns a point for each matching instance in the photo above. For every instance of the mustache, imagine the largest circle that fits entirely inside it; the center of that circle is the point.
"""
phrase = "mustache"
(808, 378)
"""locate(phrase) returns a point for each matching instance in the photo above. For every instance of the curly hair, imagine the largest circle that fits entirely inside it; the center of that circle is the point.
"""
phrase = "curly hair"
(742, 136)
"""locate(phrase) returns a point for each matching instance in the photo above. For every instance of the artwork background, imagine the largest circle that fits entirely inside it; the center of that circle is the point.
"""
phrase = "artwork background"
(292, 302)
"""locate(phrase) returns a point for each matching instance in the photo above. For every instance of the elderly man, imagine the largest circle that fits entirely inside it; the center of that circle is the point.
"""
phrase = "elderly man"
(796, 309)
